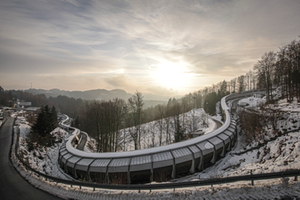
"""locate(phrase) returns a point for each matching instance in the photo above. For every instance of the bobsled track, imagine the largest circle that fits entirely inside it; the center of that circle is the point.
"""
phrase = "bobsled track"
(153, 164)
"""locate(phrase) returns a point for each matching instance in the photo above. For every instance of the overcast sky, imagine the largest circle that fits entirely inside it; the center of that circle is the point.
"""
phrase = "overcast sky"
(160, 47)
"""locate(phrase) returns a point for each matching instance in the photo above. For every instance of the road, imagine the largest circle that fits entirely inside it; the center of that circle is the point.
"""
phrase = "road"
(12, 185)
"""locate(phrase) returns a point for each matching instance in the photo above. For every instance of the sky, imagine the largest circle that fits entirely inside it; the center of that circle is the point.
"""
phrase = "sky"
(160, 47)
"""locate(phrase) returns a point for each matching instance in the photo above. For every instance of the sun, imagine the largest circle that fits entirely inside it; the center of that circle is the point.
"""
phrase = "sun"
(172, 75)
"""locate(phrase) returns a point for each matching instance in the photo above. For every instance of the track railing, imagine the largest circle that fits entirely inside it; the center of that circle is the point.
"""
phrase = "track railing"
(144, 165)
(205, 182)
(251, 178)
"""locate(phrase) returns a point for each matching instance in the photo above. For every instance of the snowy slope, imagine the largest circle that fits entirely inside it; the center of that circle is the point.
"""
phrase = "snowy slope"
(43, 159)
(275, 155)
(267, 155)
(150, 131)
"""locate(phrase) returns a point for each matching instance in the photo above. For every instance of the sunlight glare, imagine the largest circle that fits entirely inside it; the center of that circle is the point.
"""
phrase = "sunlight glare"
(172, 75)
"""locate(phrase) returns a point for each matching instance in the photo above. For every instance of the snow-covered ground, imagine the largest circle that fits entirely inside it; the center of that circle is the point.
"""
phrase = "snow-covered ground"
(195, 119)
(43, 159)
(272, 153)
(191, 121)
(279, 154)
(251, 102)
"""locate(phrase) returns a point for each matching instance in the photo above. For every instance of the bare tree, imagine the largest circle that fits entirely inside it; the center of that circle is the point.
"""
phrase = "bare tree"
(241, 82)
(136, 108)
(160, 121)
(233, 85)
(265, 71)
(178, 128)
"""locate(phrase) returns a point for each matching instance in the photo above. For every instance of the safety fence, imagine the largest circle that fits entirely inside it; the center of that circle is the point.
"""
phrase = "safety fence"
(204, 182)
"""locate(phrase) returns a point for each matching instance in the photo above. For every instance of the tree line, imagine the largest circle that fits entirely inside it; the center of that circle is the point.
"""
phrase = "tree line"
(280, 69)
(103, 120)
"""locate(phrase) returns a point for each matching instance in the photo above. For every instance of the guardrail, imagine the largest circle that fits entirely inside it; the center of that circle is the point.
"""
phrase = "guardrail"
(216, 181)
(149, 165)
(251, 178)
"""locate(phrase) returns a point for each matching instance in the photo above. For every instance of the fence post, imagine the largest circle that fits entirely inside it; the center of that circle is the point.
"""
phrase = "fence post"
(252, 182)
(139, 188)
(296, 178)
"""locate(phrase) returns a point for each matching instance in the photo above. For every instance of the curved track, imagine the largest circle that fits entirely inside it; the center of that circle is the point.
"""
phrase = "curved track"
(154, 164)
(12, 185)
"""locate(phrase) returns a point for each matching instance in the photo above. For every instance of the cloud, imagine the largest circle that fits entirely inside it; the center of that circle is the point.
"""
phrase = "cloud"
(122, 82)
(94, 40)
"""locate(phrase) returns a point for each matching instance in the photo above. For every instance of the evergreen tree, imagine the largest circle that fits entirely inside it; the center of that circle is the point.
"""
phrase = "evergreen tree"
(54, 117)
(44, 125)
(210, 103)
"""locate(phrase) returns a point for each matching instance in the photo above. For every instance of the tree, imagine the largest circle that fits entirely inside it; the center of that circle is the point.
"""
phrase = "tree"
(241, 82)
(118, 116)
(210, 103)
(54, 116)
(44, 125)
(160, 122)
(222, 89)
(233, 85)
(136, 108)
(265, 71)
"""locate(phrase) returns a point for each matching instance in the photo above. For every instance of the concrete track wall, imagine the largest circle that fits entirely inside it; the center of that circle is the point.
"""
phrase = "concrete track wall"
(154, 164)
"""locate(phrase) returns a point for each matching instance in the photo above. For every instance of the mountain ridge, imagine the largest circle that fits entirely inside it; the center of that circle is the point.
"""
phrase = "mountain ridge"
(99, 94)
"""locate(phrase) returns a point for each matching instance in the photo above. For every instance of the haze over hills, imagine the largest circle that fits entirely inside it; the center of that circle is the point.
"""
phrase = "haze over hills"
(100, 94)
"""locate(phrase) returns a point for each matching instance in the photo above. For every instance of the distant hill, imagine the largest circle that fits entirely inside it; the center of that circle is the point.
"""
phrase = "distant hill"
(100, 94)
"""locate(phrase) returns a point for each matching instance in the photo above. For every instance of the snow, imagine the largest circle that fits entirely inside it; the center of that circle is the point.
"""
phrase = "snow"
(152, 129)
(279, 154)
(203, 124)
(284, 106)
(147, 151)
(252, 102)
(43, 159)
(267, 189)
